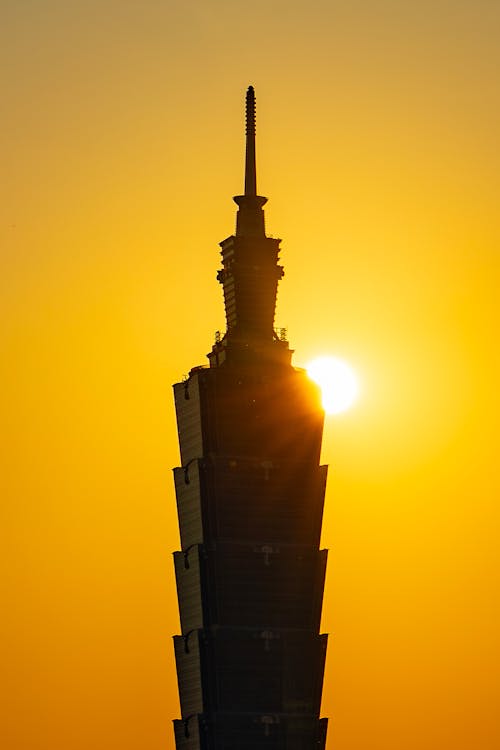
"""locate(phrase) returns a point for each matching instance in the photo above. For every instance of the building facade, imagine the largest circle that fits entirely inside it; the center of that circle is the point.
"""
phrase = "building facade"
(250, 493)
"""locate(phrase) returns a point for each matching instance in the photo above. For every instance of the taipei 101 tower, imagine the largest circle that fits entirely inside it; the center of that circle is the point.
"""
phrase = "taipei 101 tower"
(250, 495)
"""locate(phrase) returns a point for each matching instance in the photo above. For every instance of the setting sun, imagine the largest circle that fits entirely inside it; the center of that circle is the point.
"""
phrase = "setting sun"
(338, 383)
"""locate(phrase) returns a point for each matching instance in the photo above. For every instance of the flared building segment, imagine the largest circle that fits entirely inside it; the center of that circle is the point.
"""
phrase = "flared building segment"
(250, 496)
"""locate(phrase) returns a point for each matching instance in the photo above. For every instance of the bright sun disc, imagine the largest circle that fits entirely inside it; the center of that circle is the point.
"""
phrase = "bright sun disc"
(338, 383)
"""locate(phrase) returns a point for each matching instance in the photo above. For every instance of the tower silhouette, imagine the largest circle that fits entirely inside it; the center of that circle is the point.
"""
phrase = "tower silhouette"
(250, 495)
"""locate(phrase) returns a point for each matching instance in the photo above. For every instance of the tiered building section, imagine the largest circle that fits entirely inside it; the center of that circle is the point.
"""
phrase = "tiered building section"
(250, 495)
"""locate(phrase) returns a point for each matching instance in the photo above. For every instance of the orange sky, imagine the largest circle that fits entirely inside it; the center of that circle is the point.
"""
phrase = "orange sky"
(122, 144)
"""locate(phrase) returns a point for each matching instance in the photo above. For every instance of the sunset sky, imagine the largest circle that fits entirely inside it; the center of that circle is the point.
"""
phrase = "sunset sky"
(122, 141)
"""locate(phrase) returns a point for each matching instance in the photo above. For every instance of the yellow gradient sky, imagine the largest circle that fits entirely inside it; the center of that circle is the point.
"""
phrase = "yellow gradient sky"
(122, 144)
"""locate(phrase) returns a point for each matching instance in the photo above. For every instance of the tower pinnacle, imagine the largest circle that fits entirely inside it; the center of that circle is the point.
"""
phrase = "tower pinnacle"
(249, 275)
(250, 217)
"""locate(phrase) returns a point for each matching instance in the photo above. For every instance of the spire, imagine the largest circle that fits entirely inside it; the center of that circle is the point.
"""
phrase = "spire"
(250, 172)
(250, 217)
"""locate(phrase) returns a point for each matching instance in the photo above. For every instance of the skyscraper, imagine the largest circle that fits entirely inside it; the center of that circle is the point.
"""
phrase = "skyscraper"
(250, 495)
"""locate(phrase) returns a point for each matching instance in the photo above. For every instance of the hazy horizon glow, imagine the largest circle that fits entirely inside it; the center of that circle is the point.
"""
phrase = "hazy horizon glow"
(122, 145)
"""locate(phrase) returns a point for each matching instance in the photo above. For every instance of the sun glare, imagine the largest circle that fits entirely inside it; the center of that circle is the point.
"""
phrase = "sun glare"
(338, 383)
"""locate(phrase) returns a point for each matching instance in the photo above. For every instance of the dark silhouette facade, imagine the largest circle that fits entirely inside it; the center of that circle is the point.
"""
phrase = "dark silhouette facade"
(250, 496)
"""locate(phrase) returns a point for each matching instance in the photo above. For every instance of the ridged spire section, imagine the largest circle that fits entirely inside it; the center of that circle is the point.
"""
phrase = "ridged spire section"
(250, 170)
